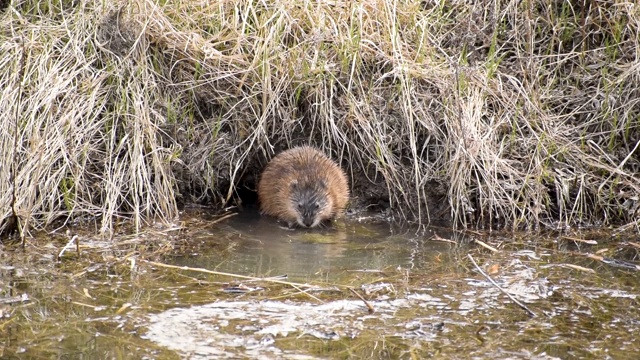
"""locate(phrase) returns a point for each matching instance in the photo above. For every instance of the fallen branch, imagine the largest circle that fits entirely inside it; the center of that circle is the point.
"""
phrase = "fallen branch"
(531, 313)
(614, 262)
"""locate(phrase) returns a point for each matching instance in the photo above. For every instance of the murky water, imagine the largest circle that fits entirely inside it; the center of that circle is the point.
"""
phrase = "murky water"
(354, 290)
(262, 247)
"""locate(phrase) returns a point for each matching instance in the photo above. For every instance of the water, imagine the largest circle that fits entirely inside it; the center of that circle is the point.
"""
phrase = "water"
(357, 289)
(262, 247)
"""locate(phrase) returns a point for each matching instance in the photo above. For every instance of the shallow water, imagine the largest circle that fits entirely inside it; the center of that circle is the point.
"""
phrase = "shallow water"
(356, 289)
(262, 247)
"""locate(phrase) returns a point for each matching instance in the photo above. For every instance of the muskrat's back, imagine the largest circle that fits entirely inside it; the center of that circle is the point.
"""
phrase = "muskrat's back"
(303, 186)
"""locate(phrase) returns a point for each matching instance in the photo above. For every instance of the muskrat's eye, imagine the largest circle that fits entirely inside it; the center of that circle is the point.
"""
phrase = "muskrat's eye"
(317, 206)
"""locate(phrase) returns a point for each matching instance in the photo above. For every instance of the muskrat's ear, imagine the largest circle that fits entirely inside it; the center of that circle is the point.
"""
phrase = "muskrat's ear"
(294, 184)
(322, 183)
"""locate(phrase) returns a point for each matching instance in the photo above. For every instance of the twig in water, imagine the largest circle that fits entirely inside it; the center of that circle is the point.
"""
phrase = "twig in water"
(485, 245)
(614, 262)
(634, 244)
(222, 218)
(570, 266)
(590, 242)
(531, 313)
(370, 308)
(69, 244)
(206, 271)
(437, 237)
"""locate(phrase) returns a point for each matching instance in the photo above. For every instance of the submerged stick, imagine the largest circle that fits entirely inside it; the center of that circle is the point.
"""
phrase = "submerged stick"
(571, 266)
(614, 262)
(437, 237)
(68, 246)
(206, 271)
(485, 245)
(370, 307)
(222, 218)
(531, 313)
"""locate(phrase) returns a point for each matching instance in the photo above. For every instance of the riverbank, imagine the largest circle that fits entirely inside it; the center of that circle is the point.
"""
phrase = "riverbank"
(519, 114)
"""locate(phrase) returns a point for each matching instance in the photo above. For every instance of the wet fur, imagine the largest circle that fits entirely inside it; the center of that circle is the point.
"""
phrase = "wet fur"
(303, 187)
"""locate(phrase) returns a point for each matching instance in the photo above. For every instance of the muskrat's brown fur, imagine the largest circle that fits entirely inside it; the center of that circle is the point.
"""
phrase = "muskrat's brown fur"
(303, 186)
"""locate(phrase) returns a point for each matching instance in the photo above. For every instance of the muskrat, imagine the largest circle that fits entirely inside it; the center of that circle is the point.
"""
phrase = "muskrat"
(303, 186)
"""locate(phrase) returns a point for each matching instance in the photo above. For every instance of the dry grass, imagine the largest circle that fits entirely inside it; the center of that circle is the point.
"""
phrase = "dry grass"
(517, 113)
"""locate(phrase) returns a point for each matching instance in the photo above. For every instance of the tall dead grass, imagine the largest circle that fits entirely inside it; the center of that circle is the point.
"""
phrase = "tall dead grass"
(516, 113)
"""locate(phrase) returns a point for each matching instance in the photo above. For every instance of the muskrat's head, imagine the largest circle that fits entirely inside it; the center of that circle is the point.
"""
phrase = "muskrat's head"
(310, 202)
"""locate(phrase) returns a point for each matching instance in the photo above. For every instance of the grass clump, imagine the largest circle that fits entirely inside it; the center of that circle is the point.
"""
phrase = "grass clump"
(518, 113)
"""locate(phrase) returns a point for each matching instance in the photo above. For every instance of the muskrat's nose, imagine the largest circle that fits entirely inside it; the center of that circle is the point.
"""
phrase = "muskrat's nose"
(308, 222)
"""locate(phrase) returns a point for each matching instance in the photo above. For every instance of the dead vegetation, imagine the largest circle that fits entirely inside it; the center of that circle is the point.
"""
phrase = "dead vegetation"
(517, 113)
